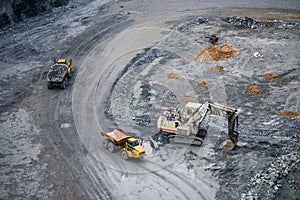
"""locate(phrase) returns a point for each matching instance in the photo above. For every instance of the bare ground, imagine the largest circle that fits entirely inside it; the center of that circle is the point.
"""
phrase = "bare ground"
(50, 142)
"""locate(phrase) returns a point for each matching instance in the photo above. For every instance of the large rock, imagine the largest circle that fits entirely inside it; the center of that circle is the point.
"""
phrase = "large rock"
(12, 11)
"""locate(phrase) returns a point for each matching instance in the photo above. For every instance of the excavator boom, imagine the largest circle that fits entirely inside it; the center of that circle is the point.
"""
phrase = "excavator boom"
(185, 124)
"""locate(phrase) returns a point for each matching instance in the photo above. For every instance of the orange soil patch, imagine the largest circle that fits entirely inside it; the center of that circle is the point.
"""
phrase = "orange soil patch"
(215, 53)
(186, 99)
(290, 114)
(270, 77)
(253, 90)
(299, 92)
(216, 69)
(201, 84)
(173, 76)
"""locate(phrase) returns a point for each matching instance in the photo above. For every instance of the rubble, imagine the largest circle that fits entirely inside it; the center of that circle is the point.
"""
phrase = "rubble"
(266, 183)
(56, 73)
(202, 20)
(173, 76)
(216, 69)
(215, 53)
(290, 114)
(270, 77)
(248, 22)
(201, 84)
(253, 90)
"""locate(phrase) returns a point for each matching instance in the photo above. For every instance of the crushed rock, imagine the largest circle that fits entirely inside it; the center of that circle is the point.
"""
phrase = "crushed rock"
(253, 89)
(215, 53)
(269, 181)
(290, 114)
(216, 69)
(173, 76)
(270, 77)
(201, 84)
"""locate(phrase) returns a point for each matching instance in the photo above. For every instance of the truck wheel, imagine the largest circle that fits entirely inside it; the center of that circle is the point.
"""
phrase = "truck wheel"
(124, 155)
(105, 143)
(49, 85)
(63, 84)
(111, 147)
(66, 81)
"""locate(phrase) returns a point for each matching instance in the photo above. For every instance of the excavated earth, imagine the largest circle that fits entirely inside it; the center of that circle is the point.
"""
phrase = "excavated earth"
(131, 61)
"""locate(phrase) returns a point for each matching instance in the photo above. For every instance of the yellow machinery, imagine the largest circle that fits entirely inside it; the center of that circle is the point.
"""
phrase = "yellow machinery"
(59, 73)
(117, 139)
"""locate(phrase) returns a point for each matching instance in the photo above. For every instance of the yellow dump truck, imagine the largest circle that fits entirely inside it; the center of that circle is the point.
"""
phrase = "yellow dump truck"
(117, 139)
(59, 73)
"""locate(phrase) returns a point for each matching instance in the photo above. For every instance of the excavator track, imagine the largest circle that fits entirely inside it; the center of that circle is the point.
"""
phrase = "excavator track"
(180, 139)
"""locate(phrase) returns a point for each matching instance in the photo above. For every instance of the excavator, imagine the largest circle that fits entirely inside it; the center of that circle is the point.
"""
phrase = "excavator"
(184, 125)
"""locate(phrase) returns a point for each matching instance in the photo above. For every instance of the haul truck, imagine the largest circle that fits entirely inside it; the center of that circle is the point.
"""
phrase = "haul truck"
(117, 139)
(59, 73)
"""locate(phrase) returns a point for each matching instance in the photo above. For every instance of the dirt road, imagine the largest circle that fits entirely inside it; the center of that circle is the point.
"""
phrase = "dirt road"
(50, 141)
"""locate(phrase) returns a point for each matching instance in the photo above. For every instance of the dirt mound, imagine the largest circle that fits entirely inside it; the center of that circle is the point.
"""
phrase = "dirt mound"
(201, 84)
(270, 77)
(253, 90)
(173, 76)
(186, 99)
(290, 114)
(215, 53)
(216, 69)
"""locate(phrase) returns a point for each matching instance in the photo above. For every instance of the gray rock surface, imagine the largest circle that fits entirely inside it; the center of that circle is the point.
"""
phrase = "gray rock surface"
(12, 11)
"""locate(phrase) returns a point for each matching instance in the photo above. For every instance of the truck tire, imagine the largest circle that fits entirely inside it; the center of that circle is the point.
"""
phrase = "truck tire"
(105, 143)
(124, 155)
(49, 85)
(111, 147)
(63, 84)
(67, 81)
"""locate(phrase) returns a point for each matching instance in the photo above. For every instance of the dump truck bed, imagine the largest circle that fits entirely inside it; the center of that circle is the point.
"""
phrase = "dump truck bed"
(117, 135)
(57, 72)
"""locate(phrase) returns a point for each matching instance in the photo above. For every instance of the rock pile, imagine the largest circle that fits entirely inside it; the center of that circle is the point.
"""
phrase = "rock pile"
(253, 89)
(216, 53)
(248, 22)
(268, 182)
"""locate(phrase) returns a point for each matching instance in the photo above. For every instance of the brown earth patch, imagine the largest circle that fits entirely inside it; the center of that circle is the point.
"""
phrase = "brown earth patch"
(253, 90)
(290, 114)
(201, 84)
(216, 69)
(173, 76)
(270, 77)
(215, 53)
(186, 99)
